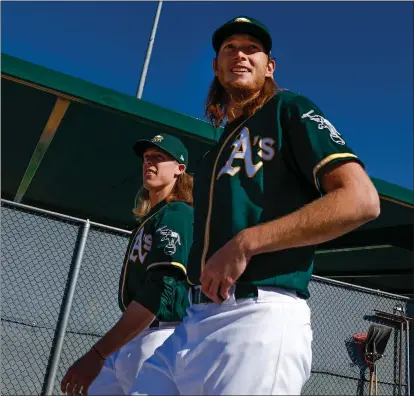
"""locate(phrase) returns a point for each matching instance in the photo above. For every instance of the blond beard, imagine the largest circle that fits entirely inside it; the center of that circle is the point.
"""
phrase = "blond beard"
(239, 97)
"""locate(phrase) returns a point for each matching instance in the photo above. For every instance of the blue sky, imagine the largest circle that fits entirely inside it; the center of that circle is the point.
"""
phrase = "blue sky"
(353, 59)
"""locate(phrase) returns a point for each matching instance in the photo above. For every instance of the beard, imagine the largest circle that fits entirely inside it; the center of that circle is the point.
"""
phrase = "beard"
(240, 93)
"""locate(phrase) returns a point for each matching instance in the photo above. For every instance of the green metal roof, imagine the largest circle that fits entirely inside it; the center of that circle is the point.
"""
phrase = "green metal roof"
(85, 91)
(382, 267)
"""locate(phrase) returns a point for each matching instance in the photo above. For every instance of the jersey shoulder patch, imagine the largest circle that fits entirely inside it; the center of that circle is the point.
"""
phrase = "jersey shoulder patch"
(171, 239)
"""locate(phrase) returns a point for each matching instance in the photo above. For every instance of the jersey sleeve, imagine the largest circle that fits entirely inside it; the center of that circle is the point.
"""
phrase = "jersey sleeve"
(313, 140)
(172, 238)
(164, 293)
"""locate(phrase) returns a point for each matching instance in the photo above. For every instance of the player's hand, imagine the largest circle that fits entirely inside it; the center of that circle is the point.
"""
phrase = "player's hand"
(223, 269)
(81, 374)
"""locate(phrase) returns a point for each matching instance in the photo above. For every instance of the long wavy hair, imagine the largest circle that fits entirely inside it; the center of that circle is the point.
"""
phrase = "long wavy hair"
(218, 99)
(181, 192)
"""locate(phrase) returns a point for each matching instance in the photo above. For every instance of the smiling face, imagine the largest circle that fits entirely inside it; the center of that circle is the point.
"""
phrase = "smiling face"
(242, 64)
(159, 170)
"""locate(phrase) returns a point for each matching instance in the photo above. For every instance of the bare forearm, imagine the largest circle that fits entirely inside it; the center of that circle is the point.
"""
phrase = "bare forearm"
(134, 320)
(327, 218)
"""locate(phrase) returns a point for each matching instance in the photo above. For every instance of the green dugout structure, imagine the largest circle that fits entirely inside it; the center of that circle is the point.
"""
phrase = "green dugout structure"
(69, 178)
(66, 147)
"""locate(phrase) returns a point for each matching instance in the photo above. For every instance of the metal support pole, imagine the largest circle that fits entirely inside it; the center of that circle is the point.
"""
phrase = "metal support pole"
(407, 329)
(401, 318)
(149, 51)
(64, 313)
(400, 369)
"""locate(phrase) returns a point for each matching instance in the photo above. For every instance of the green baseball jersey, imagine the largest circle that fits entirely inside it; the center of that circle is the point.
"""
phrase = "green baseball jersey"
(264, 167)
(154, 269)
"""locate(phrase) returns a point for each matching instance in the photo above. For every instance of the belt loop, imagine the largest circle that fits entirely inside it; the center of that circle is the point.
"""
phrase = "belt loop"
(195, 294)
(190, 295)
(198, 294)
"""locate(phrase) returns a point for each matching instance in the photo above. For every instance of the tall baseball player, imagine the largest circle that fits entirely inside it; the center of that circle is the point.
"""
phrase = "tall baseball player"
(280, 181)
(153, 292)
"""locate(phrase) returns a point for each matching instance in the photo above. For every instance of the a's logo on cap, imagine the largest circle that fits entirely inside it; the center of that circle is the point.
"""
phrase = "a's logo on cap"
(181, 157)
(242, 20)
(157, 139)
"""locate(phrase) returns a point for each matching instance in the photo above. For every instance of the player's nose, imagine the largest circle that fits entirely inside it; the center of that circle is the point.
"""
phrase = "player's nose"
(239, 54)
(148, 162)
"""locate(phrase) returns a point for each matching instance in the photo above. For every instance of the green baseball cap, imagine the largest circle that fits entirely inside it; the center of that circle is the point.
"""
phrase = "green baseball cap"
(168, 143)
(243, 25)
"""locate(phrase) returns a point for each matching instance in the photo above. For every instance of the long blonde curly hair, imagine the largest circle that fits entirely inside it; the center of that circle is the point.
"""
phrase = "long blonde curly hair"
(181, 192)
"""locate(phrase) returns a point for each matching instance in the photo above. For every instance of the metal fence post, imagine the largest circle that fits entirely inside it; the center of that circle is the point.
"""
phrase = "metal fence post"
(408, 351)
(50, 376)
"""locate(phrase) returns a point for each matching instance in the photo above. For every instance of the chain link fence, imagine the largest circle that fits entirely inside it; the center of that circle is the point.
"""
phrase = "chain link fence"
(338, 312)
(44, 329)
(95, 305)
(37, 253)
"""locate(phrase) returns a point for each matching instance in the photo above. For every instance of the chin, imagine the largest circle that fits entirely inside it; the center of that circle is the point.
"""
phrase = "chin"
(240, 85)
(148, 185)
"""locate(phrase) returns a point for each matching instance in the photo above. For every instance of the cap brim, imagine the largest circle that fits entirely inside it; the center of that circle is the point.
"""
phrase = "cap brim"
(142, 145)
(241, 28)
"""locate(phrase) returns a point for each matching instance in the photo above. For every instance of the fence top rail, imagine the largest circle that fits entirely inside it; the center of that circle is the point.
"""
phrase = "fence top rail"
(362, 288)
(79, 220)
(62, 216)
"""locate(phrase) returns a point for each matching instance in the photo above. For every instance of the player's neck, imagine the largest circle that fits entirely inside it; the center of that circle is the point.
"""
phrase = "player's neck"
(156, 196)
(237, 103)
(233, 112)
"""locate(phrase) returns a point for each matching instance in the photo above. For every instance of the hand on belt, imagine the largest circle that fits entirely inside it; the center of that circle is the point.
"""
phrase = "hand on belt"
(243, 290)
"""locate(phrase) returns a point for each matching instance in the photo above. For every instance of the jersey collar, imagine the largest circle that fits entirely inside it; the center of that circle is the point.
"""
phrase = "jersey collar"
(157, 207)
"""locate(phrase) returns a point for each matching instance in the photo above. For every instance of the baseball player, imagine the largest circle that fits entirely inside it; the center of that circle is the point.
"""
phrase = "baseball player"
(153, 292)
(280, 180)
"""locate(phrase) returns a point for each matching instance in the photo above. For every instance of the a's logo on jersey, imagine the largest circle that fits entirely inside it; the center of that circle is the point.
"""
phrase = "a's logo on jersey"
(242, 149)
(323, 123)
(171, 237)
(142, 245)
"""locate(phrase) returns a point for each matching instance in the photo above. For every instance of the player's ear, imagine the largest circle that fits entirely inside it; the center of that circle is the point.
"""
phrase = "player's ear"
(181, 169)
(271, 67)
(215, 66)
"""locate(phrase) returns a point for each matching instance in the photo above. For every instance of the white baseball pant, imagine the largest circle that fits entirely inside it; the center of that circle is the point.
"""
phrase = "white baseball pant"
(121, 368)
(252, 346)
